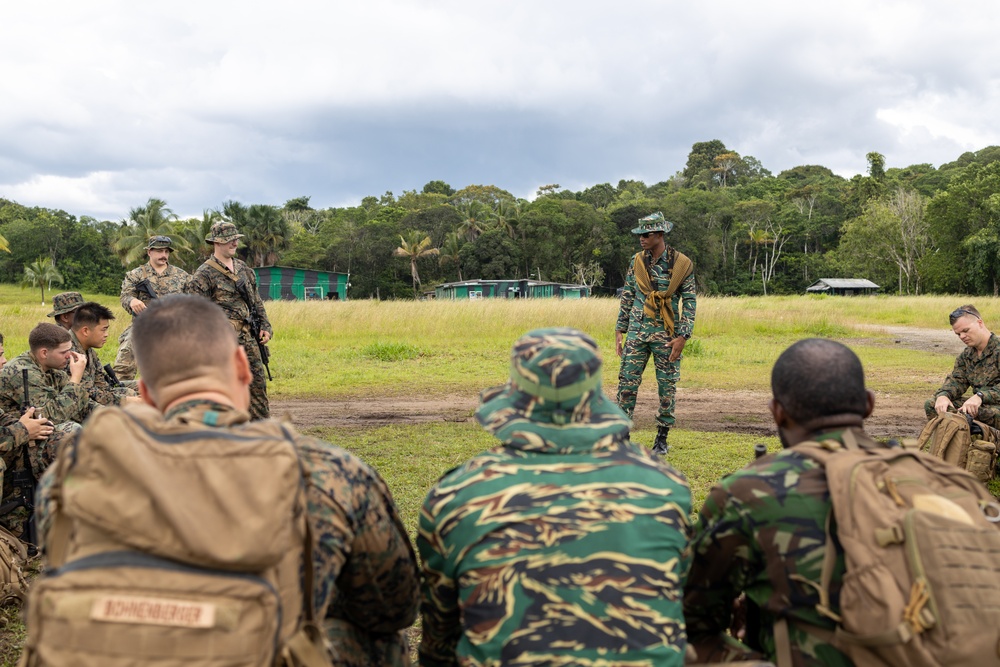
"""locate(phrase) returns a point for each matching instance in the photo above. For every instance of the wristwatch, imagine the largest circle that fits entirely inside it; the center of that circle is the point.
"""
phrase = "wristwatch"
(980, 395)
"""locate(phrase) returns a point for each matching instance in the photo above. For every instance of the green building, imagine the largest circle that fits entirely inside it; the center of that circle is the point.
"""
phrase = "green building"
(509, 289)
(284, 282)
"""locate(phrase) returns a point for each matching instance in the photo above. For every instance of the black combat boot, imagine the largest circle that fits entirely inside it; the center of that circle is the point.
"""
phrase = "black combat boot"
(660, 444)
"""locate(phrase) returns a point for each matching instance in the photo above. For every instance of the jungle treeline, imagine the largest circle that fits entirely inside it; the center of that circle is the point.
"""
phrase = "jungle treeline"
(916, 229)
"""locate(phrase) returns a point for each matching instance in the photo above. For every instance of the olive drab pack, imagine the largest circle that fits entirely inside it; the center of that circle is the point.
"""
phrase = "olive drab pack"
(968, 444)
(921, 541)
(173, 543)
(13, 557)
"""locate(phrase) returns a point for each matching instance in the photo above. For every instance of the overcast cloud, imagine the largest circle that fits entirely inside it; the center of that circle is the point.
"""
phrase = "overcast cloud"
(107, 103)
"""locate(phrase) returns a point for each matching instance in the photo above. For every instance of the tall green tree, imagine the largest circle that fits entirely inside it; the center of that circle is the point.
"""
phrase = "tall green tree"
(41, 273)
(413, 246)
(154, 218)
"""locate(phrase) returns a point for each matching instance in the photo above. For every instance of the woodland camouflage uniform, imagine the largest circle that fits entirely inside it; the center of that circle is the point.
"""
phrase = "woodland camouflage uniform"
(564, 545)
(217, 283)
(761, 528)
(96, 380)
(171, 281)
(65, 302)
(980, 372)
(647, 334)
(366, 584)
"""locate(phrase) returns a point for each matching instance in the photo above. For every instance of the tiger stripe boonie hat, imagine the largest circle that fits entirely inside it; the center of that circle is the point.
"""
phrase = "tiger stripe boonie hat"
(554, 393)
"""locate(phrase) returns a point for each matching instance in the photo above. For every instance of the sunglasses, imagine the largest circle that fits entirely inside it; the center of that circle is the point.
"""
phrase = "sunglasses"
(961, 312)
(160, 239)
(646, 235)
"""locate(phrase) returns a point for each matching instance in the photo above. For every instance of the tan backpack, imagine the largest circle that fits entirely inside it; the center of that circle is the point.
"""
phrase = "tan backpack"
(949, 437)
(921, 543)
(13, 557)
(174, 544)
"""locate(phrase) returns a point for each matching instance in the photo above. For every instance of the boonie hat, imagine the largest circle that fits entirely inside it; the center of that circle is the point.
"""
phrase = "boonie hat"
(655, 222)
(222, 232)
(160, 242)
(65, 302)
(554, 394)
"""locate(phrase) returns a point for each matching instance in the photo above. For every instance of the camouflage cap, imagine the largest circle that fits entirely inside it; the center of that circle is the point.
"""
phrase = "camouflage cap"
(655, 222)
(160, 242)
(554, 393)
(66, 302)
(222, 232)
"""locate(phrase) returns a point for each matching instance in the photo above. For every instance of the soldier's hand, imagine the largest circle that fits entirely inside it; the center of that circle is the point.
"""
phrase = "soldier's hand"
(77, 365)
(265, 336)
(136, 305)
(971, 406)
(132, 400)
(942, 404)
(678, 344)
(38, 428)
(618, 343)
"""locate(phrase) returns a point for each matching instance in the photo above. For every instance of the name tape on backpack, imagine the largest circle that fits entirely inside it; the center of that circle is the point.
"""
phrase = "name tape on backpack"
(153, 611)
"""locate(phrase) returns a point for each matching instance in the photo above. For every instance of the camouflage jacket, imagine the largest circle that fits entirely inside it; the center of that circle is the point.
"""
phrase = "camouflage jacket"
(631, 318)
(366, 585)
(96, 381)
(51, 392)
(13, 434)
(171, 281)
(759, 527)
(981, 372)
(552, 556)
(220, 287)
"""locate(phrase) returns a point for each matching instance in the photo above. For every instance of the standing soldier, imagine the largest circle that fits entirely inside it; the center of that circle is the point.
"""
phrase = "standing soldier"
(229, 282)
(64, 306)
(155, 278)
(659, 286)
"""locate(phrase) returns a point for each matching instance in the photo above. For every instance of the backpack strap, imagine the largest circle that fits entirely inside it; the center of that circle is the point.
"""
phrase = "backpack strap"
(57, 540)
(306, 647)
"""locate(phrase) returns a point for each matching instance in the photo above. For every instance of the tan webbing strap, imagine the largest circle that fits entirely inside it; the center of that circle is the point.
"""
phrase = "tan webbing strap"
(898, 635)
(659, 302)
(217, 265)
(826, 574)
(782, 643)
(57, 542)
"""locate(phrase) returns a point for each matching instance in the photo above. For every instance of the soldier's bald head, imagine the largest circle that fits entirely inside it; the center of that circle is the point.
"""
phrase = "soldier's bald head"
(181, 336)
(817, 378)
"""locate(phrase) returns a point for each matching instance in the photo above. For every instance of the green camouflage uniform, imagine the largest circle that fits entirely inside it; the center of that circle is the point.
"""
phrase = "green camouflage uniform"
(566, 544)
(647, 336)
(63, 402)
(171, 281)
(96, 381)
(366, 584)
(759, 527)
(981, 372)
(221, 288)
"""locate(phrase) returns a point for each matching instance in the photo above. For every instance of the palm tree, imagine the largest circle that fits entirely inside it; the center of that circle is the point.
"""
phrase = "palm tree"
(503, 217)
(472, 223)
(190, 234)
(142, 224)
(40, 273)
(450, 252)
(414, 247)
(266, 233)
(4, 246)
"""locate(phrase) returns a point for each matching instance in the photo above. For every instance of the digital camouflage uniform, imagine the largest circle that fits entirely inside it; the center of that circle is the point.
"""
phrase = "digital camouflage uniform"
(366, 584)
(564, 545)
(981, 372)
(217, 283)
(53, 396)
(646, 335)
(13, 438)
(171, 281)
(760, 527)
(95, 380)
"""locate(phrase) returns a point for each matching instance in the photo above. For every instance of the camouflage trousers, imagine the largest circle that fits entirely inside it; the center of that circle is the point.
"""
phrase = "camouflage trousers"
(259, 406)
(41, 453)
(351, 646)
(125, 362)
(988, 414)
(635, 355)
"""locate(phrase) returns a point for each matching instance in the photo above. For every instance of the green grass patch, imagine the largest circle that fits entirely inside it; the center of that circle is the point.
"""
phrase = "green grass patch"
(390, 351)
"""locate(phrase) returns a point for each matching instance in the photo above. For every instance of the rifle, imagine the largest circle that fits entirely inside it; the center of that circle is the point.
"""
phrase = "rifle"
(145, 286)
(112, 376)
(23, 480)
(254, 320)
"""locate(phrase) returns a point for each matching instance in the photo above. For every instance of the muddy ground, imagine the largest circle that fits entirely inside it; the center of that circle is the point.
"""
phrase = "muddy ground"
(697, 409)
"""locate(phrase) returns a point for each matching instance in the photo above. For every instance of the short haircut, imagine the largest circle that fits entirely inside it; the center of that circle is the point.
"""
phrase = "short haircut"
(1, 339)
(962, 311)
(47, 336)
(91, 314)
(817, 378)
(178, 336)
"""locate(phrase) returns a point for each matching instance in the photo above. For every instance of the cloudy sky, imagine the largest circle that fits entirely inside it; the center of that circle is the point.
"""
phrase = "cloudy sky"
(106, 103)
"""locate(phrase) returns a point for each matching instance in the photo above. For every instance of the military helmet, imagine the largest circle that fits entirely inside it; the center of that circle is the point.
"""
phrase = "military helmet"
(222, 232)
(554, 393)
(655, 222)
(65, 302)
(160, 242)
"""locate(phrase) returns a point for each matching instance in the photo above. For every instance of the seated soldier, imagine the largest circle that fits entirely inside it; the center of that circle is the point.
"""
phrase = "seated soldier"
(365, 583)
(58, 396)
(977, 368)
(64, 307)
(89, 333)
(565, 545)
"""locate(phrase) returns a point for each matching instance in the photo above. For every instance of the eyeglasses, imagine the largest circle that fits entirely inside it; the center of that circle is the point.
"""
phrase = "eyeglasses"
(646, 235)
(961, 312)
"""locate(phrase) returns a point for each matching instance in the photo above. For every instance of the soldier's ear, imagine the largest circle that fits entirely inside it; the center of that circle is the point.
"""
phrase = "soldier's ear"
(243, 372)
(145, 394)
(778, 413)
(869, 403)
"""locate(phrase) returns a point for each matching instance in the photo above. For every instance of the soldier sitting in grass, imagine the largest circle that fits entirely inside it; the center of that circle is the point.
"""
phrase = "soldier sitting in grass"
(977, 368)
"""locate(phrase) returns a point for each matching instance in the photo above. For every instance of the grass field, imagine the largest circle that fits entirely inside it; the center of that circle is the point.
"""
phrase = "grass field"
(396, 349)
